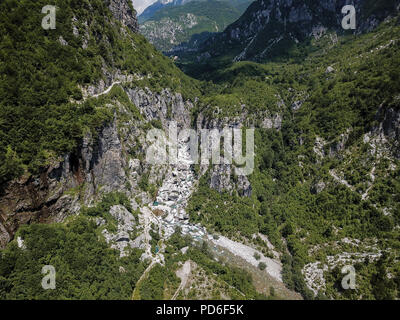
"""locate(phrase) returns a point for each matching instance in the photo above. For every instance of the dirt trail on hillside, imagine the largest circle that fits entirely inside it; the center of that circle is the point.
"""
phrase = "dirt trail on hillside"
(107, 90)
(274, 267)
(183, 273)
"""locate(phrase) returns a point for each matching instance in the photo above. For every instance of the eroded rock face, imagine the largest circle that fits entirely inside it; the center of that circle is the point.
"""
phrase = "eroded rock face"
(163, 106)
(4, 236)
(274, 122)
(338, 146)
(35, 199)
(389, 127)
(222, 176)
(104, 160)
(59, 189)
(126, 223)
(222, 180)
(123, 12)
(318, 187)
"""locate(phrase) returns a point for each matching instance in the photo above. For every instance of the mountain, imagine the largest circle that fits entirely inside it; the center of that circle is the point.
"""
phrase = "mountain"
(149, 12)
(81, 193)
(76, 104)
(270, 29)
(173, 25)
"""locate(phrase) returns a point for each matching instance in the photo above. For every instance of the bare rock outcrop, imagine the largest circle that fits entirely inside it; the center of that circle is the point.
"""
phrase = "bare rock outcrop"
(59, 189)
(123, 11)
(389, 127)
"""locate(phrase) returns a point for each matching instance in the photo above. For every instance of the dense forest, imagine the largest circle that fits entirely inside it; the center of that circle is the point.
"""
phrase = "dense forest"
(86, 268)
(321, 190)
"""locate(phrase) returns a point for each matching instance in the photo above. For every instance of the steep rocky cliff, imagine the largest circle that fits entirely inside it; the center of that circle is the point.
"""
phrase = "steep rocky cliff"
(60, 189)
(124, 12)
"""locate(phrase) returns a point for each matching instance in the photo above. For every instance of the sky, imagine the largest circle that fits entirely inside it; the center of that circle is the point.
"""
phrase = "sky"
(140, 5)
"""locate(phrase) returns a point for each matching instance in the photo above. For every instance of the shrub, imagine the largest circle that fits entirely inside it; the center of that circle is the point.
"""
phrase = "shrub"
(262, 266)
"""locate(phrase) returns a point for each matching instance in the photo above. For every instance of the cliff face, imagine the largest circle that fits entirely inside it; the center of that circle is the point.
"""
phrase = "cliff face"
(106, 163)
(173, 26)
(391, 124)
(60, 189)
(387, 133)
(124, 12)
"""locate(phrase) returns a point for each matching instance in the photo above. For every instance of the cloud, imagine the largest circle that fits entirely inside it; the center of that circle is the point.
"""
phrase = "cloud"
(140, 5)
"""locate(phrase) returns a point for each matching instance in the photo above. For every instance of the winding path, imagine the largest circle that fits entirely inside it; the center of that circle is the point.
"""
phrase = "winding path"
(182, 273)
(142, 277)
(107, 90)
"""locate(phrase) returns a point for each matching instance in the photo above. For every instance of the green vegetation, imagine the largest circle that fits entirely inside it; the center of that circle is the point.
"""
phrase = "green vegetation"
(372, 279)
(279, 37)
(235, 277)
(42, 112)
(222, 212)
(173, 25)
(284, 202)
(102, 208)
(86, 268)
(161, 282)
(39, 76)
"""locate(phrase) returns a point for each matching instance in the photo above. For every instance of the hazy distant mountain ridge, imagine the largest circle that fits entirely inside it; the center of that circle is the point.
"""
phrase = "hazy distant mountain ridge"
(149, 12)
(174, 24)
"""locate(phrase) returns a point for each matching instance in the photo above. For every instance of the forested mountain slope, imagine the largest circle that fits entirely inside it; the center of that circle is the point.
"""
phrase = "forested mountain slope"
(76, 191)
(160, 5)
(172, 25)
(149, 12)
(270, 29)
